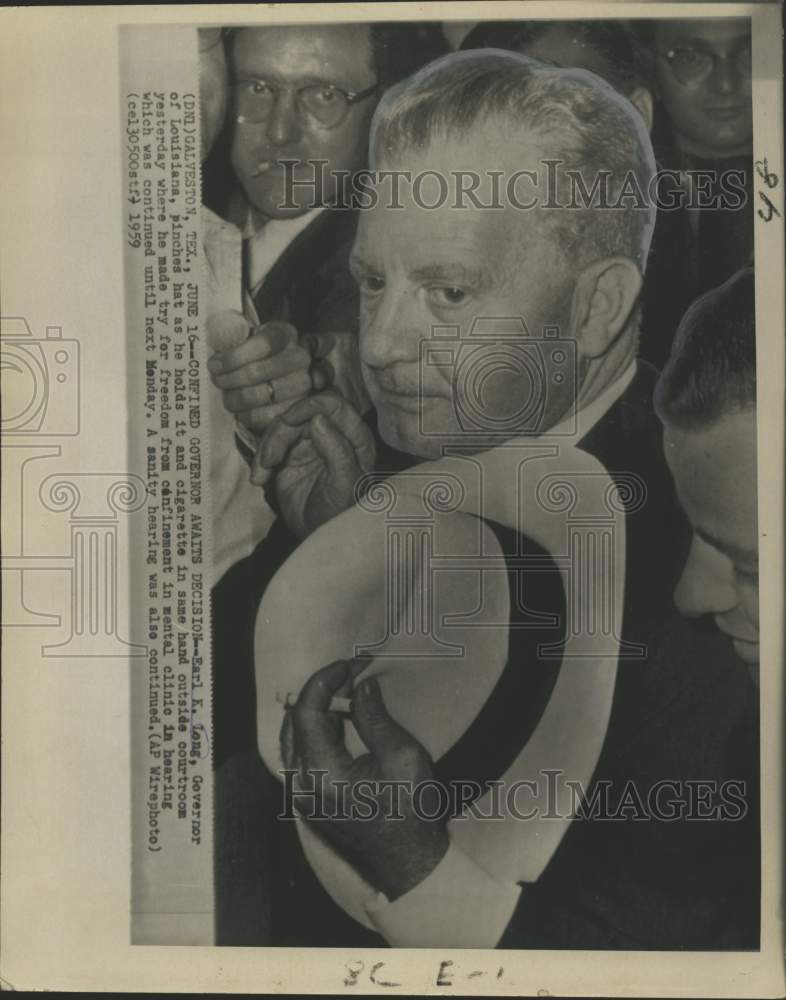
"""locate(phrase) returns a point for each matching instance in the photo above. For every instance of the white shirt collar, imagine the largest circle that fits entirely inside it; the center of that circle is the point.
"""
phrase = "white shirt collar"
(266, 245)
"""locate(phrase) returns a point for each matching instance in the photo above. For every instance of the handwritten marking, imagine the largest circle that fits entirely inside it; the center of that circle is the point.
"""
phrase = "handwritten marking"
(771, 179)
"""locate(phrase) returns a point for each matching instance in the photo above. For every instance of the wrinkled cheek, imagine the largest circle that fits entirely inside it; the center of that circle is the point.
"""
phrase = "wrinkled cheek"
(243, 155)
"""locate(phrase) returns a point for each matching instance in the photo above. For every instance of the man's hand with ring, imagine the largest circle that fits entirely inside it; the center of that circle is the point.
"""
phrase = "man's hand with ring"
(317, 451)
(261, 377)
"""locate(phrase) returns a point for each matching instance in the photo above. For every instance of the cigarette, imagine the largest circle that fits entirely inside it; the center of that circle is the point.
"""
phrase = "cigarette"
(337, 703)
(261, 168)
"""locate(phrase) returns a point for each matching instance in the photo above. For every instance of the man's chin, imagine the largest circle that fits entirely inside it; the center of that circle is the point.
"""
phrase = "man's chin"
(275, 201)
(401, 434)
(748, 652)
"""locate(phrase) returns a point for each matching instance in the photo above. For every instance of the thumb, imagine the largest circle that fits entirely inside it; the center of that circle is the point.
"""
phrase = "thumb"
(382, 735)
(226, 329)
(260, 474)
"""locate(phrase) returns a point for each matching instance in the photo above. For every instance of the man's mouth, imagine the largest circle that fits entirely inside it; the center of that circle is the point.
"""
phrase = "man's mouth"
(290, 163)
(748, 652)
(408, 400)
(726, 114)
(750, 638)
(746, 646)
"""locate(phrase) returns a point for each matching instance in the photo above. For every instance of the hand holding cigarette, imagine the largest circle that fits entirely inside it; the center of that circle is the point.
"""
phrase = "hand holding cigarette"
(337, 703)
(394, 857)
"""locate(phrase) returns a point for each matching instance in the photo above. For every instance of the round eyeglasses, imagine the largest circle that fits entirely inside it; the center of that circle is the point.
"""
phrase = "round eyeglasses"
(325, 103)
(693, 66)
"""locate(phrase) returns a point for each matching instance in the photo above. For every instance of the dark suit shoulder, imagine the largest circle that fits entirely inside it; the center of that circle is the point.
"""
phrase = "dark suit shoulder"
(310, 285)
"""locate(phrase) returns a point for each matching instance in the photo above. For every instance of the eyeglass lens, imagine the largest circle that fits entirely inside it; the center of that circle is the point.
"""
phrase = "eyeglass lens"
(256, 100)
(693, 65)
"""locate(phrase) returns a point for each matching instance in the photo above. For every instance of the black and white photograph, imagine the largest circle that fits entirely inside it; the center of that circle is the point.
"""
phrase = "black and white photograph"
(463, 324)
(447, 358)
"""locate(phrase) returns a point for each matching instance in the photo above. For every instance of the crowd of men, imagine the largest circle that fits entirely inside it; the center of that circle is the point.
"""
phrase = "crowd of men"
(320, 310)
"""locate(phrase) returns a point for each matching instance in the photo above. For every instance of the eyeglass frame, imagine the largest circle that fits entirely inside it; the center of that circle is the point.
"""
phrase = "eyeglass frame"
(714, 56)
(352, 97)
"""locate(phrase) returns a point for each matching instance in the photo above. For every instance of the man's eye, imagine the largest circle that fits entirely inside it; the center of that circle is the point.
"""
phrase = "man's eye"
(324, 95)
(448, 296)
(258, 88)
(691, 57)
(371, 284)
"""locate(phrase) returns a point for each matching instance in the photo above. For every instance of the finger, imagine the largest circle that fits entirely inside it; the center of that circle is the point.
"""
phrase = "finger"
(260, 474)
(322, 685)
(259, 418)
(278, 390)
(382, 735)
(319, 739)
(323, 375)
(359, 663)
(356, 666)
(226, 329)
(337, 453)
(318, 345)
(328, 402)
(292, 359)
(357, 432)
(264, 342)
(301, 453)
(294, 386)
(276, 442)
(318, 731)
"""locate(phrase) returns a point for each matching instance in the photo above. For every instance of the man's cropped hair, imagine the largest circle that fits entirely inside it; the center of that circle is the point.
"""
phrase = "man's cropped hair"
(397, 48)
(711, 371)
(578, 119)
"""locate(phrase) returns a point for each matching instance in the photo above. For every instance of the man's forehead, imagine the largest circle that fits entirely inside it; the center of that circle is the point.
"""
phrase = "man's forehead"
(714, 471)
(446, 231)
(305, 50)
(709, 32)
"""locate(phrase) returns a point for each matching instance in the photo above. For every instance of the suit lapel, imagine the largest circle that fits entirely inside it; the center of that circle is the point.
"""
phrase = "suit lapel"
(293, 276)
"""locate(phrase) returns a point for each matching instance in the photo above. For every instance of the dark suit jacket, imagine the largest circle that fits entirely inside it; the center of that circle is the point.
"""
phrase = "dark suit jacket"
(693, 252)
(310, 285)
(677, 714)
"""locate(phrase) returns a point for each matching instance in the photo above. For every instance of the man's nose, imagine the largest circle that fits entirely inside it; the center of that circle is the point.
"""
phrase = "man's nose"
(283, 125)
(707, 583)
(726, 78)
(389, 331)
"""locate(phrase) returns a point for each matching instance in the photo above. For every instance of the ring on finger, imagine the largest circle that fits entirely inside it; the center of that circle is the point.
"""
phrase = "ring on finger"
(272, 390)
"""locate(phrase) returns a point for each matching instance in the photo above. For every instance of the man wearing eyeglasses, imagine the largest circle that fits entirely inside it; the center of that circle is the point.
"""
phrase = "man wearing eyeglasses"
(704, 76)
(301, 102)
(703, 72)
(299, 95)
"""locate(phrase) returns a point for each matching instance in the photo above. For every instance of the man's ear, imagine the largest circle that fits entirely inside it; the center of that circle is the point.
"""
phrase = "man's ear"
(603, 300)
(641, 99)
